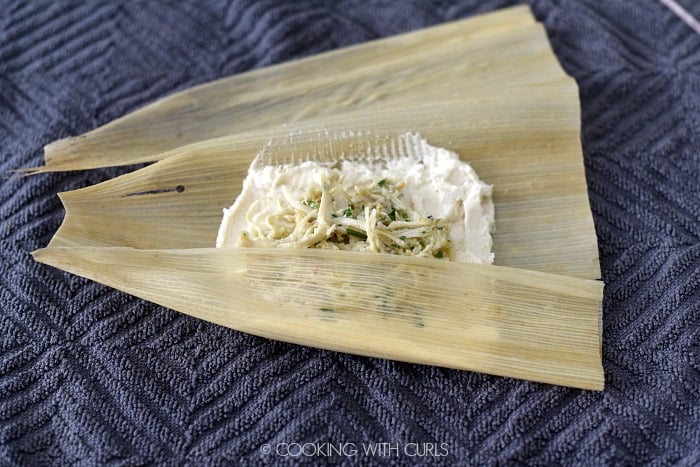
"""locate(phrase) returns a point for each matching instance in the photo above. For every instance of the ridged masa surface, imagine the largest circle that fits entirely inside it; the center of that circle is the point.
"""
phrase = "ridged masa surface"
(92, 376)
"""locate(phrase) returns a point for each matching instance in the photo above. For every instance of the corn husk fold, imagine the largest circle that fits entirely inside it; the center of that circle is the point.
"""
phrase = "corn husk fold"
(488, 88)
(501, 321)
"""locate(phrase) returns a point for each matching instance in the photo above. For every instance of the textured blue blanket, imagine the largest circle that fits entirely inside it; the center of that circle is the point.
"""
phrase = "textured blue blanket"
(89, 375)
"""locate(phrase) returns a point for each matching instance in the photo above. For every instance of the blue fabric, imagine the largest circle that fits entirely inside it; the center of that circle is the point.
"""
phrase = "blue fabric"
(92, 376)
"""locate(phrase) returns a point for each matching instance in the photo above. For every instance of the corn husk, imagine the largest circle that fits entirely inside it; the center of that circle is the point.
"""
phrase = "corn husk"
(150, 233)
(481, 56)
(489, 89)
(527, 148)
(496, 320)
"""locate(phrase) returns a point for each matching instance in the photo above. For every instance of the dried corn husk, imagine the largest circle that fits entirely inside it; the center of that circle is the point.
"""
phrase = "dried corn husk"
(488, 88)
(480, 56)
(527, 147)
(501, 321)
(149, 233)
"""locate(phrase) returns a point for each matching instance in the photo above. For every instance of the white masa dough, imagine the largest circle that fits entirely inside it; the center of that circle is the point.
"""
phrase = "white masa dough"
(437, 184)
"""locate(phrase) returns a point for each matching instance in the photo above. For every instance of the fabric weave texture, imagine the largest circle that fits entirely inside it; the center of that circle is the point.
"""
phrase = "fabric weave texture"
(92, 376)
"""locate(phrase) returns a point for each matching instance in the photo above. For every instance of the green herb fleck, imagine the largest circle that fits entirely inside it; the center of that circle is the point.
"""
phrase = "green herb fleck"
(392, 214)
(382, 182)
(402, 237)
(356, 233)
(439, 254)
(311, 203)
(327, 310)
(348, 212)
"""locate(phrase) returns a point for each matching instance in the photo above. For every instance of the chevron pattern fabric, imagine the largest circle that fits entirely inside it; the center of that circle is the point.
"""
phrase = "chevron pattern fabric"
(92, 376)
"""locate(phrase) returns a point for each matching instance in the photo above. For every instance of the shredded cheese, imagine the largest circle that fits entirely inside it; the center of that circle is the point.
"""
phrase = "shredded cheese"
(332, 214)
